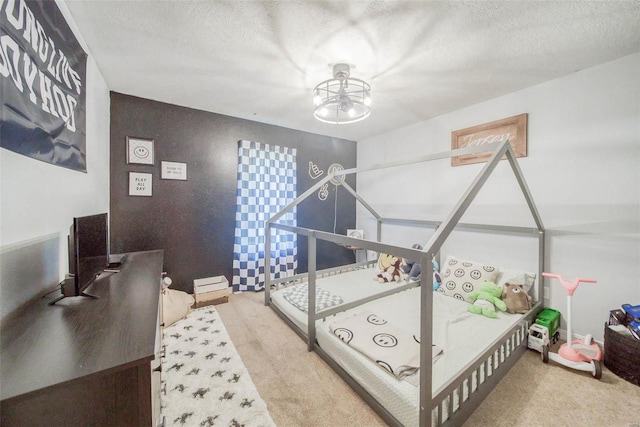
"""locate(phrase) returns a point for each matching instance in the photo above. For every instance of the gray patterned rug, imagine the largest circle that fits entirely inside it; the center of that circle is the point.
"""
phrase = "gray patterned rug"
(204, 381)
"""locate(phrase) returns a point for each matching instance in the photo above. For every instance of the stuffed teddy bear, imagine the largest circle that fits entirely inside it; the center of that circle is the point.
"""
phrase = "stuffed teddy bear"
(390, 270)
(516, 298)
(486, 300)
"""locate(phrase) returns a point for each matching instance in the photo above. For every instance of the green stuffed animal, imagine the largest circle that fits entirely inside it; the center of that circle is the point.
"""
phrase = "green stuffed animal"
(486, 300)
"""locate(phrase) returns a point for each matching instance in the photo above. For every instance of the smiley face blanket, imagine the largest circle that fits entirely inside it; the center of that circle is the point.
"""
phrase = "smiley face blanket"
(392, 348)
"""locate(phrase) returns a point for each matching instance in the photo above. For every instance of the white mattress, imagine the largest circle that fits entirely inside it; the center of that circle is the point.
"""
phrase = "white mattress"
(350, 286)
(461, 334)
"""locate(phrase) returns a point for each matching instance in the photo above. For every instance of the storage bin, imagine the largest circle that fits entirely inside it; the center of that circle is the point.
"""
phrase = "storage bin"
(622, 355)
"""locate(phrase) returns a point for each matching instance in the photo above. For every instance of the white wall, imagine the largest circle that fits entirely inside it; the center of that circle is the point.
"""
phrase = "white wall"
(583, 169)
(39, 199)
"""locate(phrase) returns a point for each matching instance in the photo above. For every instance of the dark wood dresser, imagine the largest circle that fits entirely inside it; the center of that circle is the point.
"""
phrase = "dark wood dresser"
(86, 361)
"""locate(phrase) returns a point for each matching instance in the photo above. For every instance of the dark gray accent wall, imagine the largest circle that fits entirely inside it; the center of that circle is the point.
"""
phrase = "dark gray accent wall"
(194, 220)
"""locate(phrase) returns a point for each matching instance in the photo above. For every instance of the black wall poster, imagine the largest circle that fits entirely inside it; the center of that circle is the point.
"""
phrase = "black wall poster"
(42, 84)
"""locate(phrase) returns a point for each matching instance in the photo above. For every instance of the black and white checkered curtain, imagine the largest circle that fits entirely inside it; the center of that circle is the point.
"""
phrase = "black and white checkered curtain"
(266, 184)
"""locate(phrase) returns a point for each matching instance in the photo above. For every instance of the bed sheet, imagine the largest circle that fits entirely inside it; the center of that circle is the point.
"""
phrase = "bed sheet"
(350, 286)
(461, 334)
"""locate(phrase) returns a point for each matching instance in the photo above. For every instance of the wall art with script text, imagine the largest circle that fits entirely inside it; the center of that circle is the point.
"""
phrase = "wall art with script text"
(512, 129)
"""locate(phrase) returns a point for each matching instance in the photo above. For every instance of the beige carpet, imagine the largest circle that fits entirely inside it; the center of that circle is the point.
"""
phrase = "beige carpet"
(301, 390)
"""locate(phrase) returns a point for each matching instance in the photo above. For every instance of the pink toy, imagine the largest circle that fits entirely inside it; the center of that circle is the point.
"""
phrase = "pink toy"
(583, 355)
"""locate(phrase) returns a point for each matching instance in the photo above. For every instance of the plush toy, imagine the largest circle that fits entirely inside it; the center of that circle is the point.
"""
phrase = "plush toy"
(390, 270)
(486, 300)
(411, 268)
(516, 298)
(437, 280)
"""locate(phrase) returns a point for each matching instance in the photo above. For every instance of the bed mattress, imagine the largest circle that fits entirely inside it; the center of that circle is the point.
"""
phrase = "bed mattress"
(350, 286)
(461, 334)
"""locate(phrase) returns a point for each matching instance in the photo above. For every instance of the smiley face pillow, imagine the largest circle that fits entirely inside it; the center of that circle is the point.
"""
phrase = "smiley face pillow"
(461, 277)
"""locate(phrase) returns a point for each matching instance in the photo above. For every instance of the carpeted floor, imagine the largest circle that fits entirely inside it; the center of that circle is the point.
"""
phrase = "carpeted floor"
(301, 390)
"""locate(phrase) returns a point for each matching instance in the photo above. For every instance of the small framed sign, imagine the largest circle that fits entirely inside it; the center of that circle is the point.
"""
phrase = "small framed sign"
(173, 170)
(139, 151)
(140, 184)
(513, 129)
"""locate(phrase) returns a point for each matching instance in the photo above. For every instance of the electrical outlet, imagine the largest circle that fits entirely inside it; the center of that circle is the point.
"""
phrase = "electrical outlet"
(546, 293)
(371, 255)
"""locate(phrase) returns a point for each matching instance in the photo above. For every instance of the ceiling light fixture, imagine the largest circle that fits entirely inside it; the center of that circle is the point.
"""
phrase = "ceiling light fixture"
(342, 99)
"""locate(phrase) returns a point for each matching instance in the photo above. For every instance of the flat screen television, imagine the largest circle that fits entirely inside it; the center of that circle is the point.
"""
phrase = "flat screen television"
(88, 253)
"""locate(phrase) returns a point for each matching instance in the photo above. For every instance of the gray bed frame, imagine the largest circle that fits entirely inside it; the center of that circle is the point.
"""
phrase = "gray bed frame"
(474, 382)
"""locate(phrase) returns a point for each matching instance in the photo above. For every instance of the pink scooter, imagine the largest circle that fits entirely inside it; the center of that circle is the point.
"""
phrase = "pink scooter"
(584, 355)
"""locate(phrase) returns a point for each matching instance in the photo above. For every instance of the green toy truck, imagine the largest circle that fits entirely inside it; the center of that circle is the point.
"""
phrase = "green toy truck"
(550, 319)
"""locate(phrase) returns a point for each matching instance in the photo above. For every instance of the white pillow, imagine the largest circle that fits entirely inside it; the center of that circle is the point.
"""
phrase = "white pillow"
(515, 277)
(460, 277)
(175, 305)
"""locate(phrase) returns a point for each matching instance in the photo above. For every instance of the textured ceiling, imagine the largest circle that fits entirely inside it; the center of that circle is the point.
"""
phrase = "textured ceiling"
(259, 60)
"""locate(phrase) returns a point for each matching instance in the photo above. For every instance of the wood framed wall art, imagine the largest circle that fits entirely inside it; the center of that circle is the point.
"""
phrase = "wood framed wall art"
(512, 128)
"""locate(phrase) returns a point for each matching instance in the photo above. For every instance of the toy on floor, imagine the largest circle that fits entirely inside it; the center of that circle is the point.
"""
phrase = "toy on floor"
(583, 354)
(550, 319)
(486, 300)
(545, 330)
(538, 337)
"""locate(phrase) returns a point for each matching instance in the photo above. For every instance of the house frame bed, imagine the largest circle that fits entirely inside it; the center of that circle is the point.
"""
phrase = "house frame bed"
(454, 401)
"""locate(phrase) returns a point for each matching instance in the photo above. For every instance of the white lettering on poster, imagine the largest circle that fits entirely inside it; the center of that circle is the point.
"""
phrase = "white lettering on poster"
(56, 78)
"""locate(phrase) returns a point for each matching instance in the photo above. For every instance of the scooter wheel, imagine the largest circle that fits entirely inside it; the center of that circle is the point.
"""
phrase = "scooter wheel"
(544, 353)
(596, 370)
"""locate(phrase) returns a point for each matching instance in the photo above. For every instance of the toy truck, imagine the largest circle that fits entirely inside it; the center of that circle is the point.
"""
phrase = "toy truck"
(538, 337)
(550, 319)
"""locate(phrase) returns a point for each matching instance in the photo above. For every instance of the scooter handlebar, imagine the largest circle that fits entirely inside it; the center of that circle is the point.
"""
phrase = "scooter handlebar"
(570, 286)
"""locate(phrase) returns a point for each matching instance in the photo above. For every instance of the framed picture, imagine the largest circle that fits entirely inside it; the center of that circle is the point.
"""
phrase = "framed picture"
(173, 170)
(139, 151)
(357, 234)
(140, 184)
(513, 129)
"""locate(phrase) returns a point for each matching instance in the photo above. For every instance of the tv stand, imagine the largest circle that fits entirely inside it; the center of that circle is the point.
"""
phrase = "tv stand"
(87, 362)
(68, 283)
(82, 294)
